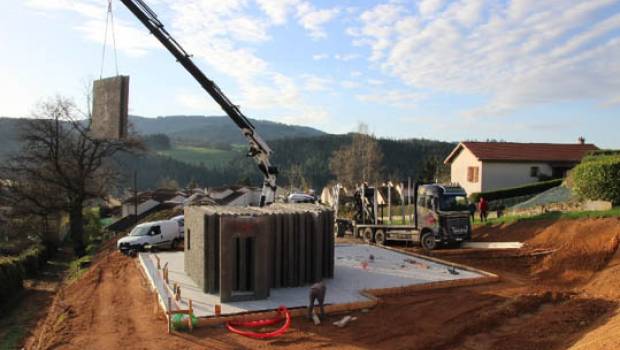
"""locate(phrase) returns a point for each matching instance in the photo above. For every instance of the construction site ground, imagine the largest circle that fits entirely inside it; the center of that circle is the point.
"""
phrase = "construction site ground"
(358, 267)
(560, 291)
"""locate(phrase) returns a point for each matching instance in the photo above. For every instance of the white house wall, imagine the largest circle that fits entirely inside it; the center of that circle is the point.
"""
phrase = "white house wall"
(458, 171)
(499, 175)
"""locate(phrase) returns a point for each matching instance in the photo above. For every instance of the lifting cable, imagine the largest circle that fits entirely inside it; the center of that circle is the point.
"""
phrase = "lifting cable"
(108, 20)
(284, 314)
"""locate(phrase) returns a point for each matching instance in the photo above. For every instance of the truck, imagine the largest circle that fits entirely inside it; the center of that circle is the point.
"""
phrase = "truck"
(440, 216)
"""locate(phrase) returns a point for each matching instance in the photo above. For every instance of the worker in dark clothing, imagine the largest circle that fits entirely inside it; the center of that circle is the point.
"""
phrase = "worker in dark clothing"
(471, 207)
(483, 206)
(317, 292)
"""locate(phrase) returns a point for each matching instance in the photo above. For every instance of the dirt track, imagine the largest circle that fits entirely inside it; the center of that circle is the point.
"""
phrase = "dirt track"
(567, 298)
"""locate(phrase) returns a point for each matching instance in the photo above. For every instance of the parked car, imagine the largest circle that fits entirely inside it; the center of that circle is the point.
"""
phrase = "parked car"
(301, 198)
(181, 221)
(160, 234)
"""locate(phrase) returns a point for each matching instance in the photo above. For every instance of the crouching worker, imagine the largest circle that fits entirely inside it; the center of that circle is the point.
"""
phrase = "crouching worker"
(317, 292)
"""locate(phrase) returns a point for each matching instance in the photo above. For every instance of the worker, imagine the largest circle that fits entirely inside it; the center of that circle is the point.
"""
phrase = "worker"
(471, 208)
(483, 207)
(317, 292)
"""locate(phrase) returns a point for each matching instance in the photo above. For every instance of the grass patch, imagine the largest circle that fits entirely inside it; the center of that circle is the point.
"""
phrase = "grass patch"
(202, 156)
(554, 215)
(77, 267)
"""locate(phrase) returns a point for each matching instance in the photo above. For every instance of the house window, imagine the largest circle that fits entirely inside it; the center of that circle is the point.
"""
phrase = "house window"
(473, 174)
(534, 171)
(189, 234)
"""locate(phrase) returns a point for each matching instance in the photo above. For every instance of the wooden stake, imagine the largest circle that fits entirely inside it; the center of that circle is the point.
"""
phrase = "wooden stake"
(158, 265)
(189, 318)
(169, 315)
(178, 293)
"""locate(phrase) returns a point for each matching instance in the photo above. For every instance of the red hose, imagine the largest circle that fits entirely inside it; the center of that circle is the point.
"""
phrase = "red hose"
(283, 314)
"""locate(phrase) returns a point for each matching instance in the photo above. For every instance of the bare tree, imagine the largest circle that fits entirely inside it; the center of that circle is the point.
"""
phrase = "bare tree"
(60, 167)
(359, 162)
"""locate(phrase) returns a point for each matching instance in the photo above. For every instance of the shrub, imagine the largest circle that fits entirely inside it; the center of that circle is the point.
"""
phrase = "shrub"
(14, 269)
(524, 190)
(598, 178)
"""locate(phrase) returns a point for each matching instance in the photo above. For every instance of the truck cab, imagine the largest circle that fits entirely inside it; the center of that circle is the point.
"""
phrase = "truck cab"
(442, 215)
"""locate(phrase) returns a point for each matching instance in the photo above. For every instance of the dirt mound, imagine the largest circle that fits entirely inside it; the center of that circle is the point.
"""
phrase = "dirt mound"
(583, 248)
(580, 248)
(517, 232)
(105, 309)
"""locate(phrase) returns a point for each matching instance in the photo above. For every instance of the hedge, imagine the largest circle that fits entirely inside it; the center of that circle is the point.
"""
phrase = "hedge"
(598, 179)
(14, 269)
(525, 190)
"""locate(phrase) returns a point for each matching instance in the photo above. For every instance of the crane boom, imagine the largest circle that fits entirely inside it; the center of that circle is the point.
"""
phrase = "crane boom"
(259, 150)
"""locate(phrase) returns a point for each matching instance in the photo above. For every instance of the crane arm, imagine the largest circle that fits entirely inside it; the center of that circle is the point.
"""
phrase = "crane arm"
(259, 150)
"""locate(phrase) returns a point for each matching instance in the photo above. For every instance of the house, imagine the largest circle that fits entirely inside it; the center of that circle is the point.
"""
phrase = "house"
(489, 166)
(148, 201)
(235, 195)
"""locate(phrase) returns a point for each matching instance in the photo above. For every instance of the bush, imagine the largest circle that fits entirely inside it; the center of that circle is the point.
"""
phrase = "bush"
(14, 269)
(598, 178)
(525, 190)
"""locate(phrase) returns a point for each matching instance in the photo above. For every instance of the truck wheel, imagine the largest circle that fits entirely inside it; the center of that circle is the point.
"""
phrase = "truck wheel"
(380, 237)
(174, 244)
(367, 235)
(428, 241)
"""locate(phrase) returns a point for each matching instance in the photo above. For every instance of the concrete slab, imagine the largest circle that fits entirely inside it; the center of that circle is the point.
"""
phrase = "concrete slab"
(493, 245)
(110, 107)
(355, 270)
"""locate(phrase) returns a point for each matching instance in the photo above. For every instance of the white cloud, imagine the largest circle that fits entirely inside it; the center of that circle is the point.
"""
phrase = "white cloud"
(315, 83)
(356, 73)
(313, 20)
(430, 7)
(517, 53)
(346, 57)
(396, 98)
(320, 56)
(349, 84)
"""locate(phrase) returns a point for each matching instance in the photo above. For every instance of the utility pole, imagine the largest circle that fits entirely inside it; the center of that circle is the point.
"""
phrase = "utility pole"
(135, 194)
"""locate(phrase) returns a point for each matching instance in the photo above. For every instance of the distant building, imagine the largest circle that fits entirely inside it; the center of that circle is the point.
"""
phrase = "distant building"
(489, 166)
(235, 195)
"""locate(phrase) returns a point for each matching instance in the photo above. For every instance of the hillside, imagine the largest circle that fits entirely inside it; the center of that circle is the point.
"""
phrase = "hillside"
(214, 129)
(211, 151)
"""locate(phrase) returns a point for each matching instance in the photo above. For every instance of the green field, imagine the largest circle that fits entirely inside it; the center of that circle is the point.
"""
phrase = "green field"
(202, 156)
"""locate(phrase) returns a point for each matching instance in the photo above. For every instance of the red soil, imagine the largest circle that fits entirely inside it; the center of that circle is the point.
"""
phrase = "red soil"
(554, 301)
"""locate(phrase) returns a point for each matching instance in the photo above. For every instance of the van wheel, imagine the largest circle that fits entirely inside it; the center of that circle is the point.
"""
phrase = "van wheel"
(380, 237)
(428, 241)
(174, 244)
(367, 235)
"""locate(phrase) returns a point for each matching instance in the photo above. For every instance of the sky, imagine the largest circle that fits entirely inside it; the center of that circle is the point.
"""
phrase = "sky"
(520, 70)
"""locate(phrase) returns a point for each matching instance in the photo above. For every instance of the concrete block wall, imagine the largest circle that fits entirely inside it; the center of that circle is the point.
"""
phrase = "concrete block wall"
(247, 251)
(110, 108)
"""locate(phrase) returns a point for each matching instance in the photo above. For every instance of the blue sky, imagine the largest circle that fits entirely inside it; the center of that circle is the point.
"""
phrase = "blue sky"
(528, 70)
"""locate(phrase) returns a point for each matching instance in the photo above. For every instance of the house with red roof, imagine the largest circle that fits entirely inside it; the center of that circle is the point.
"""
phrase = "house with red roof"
(489, 166)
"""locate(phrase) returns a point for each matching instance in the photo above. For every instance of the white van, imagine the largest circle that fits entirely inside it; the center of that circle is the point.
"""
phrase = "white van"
(160, 234)
(181, 221)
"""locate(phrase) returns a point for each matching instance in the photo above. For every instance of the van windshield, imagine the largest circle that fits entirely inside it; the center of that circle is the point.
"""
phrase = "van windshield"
(140, 231)
(453, 203)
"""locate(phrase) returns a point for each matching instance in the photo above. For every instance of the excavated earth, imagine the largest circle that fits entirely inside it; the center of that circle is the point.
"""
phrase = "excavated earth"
(561, 291)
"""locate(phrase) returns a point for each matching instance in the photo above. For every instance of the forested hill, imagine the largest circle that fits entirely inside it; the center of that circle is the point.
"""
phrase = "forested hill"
(193, 157)
(215, 130)
(401, 158)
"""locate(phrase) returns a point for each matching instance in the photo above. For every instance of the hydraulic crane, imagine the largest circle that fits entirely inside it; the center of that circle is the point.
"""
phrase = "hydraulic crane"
(259, 150)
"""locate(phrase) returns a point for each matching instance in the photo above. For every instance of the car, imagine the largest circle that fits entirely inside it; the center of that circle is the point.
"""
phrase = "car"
(181, 221)
(301, 198)
(159, 234)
